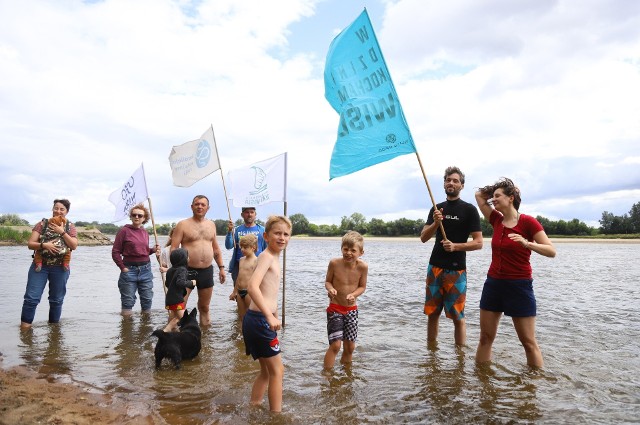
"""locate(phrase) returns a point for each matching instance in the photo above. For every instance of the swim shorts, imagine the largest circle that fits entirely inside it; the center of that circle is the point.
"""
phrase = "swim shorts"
(204, 277)
(446, 289)
(243, 293)
(179, 306)
(342, 323)
(259, 339)
(514, 297)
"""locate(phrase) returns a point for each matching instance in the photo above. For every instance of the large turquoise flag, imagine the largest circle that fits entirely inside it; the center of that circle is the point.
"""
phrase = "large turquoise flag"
(358, 86)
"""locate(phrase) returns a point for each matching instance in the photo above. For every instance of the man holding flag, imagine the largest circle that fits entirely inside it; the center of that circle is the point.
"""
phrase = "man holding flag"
(197, 235)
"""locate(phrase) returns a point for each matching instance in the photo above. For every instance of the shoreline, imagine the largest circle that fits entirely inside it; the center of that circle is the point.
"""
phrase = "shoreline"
(29, 397)
(408, 238)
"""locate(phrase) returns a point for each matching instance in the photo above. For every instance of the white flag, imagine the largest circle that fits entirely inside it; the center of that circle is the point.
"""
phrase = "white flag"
(194, 160)
(260, 183)
(133, 192)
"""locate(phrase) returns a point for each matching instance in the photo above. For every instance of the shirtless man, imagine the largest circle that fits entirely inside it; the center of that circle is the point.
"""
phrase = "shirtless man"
(198, 236)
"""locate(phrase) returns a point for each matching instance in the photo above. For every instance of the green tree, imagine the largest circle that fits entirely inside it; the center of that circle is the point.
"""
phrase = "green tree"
(634, 217)
(300, 224)
(378, 227)
(12, 220)
(356, 222)
(222, 226)
(485, 226)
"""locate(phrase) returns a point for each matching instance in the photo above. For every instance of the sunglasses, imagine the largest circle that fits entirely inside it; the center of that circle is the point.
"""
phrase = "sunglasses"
(137, 215)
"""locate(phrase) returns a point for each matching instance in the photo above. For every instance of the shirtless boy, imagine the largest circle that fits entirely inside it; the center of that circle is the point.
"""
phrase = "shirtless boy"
(246, 266)
(260, 321)
(197, 235)
(346, 280)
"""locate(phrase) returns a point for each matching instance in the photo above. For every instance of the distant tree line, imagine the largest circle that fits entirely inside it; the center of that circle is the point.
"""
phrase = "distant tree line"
(610, 224)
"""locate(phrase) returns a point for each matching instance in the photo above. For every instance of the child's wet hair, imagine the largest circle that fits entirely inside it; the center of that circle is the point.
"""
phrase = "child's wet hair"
(249, 241)
(353, 238)
(273, 219)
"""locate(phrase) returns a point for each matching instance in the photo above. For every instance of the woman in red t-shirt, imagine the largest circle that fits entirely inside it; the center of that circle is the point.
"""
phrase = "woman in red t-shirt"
(509, 285)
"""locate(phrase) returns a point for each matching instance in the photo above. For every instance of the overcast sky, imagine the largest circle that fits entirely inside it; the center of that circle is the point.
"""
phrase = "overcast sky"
(546, 92)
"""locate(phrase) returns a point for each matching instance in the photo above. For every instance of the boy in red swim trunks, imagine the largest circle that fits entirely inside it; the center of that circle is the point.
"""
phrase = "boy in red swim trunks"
(346, 280)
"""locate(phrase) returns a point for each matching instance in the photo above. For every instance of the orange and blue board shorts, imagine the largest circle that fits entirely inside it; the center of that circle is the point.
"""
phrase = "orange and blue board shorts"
(446, 289)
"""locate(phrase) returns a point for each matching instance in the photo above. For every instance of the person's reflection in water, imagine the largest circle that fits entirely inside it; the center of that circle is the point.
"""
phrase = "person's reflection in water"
(502, 390)
(43, 349)
(440, 382)
(337, 393)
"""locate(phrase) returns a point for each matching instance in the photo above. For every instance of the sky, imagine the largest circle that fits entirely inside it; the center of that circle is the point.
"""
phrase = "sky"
(545, 92)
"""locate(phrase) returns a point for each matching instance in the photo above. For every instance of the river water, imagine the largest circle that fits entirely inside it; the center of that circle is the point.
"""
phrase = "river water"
(587, 328)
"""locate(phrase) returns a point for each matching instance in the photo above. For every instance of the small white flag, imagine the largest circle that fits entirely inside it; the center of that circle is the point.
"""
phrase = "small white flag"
(194, 160)
(133, 192)
(260, 183)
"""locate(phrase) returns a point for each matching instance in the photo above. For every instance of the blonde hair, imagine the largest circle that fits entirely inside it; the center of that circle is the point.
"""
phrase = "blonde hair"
(353, 238)
(249, 241)
(273, 219)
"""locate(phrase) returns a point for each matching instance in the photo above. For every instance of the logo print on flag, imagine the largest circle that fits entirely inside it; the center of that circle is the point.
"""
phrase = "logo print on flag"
(358, 86)
(203, 153)
(194, 160)
(133, 192)
(260, 183)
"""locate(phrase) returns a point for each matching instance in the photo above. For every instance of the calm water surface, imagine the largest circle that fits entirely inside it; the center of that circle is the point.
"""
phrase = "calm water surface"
(587, 329)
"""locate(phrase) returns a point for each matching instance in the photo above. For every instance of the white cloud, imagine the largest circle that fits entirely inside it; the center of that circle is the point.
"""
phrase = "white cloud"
(542, 91)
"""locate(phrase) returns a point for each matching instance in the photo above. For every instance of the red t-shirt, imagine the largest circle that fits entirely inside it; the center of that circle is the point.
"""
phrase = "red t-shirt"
(509, 259)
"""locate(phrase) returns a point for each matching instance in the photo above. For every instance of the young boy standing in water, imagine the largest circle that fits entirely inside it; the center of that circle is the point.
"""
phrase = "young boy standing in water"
(260, 321)
(246, 266)
(346, 280)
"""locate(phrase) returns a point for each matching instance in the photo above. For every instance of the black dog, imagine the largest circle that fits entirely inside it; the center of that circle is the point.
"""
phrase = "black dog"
(182, 345)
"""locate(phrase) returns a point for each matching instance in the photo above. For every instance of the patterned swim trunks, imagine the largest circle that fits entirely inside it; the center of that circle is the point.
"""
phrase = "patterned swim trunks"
(446, 289)
(342, 323)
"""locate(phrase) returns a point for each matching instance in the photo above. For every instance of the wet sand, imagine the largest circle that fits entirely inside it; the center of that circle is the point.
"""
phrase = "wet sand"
(27, 397)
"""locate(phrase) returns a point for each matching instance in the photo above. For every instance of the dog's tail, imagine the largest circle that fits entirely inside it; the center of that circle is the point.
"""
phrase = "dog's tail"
(159, 333)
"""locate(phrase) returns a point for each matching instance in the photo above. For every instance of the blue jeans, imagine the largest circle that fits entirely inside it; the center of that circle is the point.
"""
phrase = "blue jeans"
(138, 278)
(36, 281)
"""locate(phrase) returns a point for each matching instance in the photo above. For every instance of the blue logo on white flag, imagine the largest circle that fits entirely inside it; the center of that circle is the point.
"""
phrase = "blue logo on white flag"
(203, 153)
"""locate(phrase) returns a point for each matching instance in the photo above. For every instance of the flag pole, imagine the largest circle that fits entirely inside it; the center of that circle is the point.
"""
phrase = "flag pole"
(284, 267)
(284, 255)
(155, 234)
(224, 186)
(444, 235)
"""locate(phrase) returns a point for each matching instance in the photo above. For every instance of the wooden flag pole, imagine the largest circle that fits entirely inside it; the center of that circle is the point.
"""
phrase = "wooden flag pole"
(155, 235)
(444, 235)
(224, 186)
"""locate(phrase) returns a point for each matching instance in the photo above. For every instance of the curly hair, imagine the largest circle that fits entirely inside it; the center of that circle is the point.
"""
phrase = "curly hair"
(453, 170)
(508, 187)
(143, 208)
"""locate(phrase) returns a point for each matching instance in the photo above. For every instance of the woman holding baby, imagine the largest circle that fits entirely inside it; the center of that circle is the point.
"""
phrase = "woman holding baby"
(52, 252)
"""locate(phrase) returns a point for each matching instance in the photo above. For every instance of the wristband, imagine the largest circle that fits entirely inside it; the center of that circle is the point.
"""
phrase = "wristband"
(40, 245)
(221, 267)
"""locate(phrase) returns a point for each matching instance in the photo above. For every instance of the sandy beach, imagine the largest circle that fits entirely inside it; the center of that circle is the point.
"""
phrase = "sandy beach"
(27, 397)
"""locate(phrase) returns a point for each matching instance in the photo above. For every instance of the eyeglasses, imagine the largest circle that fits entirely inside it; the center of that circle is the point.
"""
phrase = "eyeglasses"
(137, 215)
